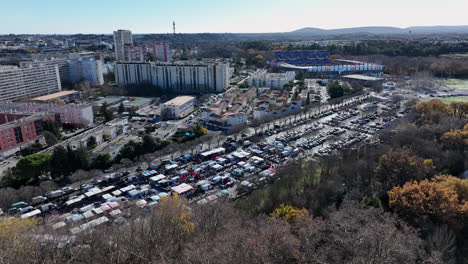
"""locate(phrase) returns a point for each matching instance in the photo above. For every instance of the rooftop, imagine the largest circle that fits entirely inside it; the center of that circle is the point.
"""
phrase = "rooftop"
(22, 118)
(110, 100)
(362, 77)
(137, 102)
(179, 100)
(54, 95)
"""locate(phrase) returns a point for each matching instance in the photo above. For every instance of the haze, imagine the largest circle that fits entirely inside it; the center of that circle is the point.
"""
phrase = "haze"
(149, 16)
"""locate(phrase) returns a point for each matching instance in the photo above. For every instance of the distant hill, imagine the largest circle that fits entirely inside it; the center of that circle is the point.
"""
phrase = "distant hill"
(381, 30)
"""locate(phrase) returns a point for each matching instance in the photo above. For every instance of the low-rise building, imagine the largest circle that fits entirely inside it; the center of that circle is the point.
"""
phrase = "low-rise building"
(78, 115)
(19, 129)
(272, 80)
(232, 111)
(83, 139)
(177, 107)
(274, 104)
(66, 96)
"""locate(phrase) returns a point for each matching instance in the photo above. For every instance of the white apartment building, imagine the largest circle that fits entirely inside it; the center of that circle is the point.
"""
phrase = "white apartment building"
(90, 70)
(62, 63)
(177, 107)
(272, 80)
(183, 77)
(72, 114)
(81, 66)
(121, 38)
(18, 83)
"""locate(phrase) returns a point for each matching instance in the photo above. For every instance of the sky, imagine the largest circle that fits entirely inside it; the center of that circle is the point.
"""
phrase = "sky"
(219, 16)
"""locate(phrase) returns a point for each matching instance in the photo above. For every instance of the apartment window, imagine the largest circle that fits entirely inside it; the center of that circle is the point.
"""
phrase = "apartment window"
(18, 135)
(39, 126)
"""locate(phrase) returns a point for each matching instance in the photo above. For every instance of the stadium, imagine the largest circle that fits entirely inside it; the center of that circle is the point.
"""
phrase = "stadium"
(318, 61)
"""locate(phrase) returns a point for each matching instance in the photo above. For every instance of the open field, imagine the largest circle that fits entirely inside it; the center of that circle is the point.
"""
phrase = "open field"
(448, 100)
(456, 55)
(456, 83)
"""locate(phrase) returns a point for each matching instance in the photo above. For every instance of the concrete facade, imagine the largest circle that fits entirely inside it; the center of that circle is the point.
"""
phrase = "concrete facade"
(182, 77)
(19, 83)
(177, 107)
(161, 52)
(20, 129)
(80, 115)
(121, 38)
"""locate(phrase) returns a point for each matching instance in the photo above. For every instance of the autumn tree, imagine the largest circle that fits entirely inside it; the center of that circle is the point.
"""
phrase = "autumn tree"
(395, 168)
(15, 240)
(289, 213)
(456, 138)
(427, 199)
(460, 186)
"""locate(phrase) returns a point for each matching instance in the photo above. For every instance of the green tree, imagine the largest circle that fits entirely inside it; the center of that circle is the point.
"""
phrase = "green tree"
(121, 108)
(52, 127)
(130, 150)
(149, 145)
(31, 149)
(50, 138)
(308, 99)
(32, 166)
(72, 160)
(243, 85)
(335, 90)
(83, 158)
(59, 162)
(106, 112)
(102, 161)
(91, 144)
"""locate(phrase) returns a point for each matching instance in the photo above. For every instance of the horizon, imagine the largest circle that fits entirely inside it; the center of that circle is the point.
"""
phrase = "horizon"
(163, 33)
(207, 16)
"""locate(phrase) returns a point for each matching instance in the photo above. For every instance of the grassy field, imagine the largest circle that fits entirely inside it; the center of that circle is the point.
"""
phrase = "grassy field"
(456, 55)
(448, 100)
(456, 83)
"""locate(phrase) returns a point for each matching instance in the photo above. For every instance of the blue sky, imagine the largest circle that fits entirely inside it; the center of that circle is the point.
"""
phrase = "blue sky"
(156, 16)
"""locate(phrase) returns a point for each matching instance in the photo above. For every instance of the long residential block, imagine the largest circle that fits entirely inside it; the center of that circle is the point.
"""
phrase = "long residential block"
(19, 83)
(181, 77)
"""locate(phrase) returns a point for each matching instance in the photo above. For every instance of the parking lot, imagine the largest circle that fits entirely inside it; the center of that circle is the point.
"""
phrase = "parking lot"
(233, 170)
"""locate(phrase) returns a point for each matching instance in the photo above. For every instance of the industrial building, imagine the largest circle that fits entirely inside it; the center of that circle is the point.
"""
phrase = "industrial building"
(177, 107)
(194, 77)
(19, 83)
(19, 129)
